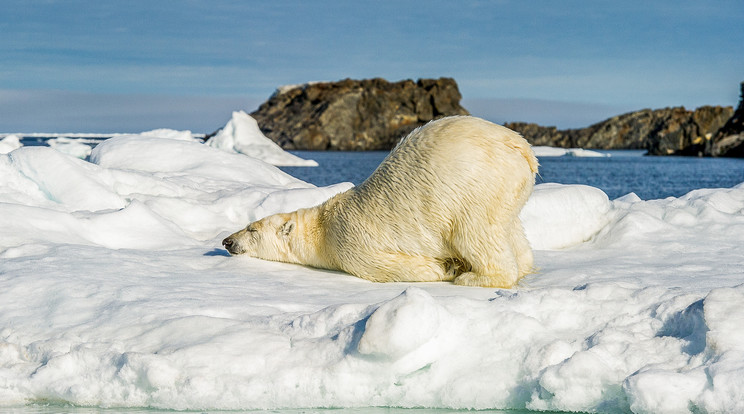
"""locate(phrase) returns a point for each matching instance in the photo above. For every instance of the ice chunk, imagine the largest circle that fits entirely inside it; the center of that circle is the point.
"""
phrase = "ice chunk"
(73, 184)
(566, 152)
(10, 143)
(166, 133)
(558, 216)
(71, 146)
(242, 135)
(167, 157)
(401, 325)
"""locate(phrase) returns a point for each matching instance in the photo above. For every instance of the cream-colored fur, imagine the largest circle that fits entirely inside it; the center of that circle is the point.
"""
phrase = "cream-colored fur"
(444, 205)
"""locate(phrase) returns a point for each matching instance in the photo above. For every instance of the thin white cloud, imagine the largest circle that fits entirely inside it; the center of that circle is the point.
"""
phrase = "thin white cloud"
(64, 111)
(615, 54)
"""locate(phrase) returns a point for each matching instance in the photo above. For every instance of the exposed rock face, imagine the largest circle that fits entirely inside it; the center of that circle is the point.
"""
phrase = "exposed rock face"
(355, 114)
(669, 131)
(545, 136)
(688, 132)
(729, 140)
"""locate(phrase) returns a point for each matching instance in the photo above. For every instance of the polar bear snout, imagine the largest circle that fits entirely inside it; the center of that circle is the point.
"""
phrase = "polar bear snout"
(232, 245)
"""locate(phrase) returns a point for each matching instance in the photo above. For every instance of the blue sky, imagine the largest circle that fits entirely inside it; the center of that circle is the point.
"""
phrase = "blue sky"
(129, 66)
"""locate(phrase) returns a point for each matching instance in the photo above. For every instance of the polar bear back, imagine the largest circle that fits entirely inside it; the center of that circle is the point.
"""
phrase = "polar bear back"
(449, 170)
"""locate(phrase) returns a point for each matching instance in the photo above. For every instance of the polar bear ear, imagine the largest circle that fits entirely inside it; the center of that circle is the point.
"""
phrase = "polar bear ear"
(287, 228)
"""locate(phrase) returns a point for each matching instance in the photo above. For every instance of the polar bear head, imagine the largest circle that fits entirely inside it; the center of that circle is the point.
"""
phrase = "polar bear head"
(269, 238)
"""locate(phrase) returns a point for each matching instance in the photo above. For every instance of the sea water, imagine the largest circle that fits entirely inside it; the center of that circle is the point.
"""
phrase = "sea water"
(623, 172)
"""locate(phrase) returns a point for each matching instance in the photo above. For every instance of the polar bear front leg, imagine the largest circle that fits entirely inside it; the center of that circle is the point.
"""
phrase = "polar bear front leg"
(521, 248)
(492, 258)
(401, 267)
(489, 276)
(480, 280)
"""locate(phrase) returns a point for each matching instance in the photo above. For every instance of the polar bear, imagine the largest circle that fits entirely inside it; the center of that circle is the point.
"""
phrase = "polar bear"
(442, 206)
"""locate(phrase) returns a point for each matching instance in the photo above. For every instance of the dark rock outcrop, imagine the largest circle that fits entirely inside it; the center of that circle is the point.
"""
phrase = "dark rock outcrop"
(729, 140)
(669, 131)
(355, 114)
(373, 114)
(549, 136)
(688, 132)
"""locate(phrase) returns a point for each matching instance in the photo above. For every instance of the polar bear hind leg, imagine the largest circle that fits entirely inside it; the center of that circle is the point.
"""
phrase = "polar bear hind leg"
(490, 254)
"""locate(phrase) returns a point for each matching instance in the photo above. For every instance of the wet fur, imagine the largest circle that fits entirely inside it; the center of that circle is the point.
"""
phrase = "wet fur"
(443, 206)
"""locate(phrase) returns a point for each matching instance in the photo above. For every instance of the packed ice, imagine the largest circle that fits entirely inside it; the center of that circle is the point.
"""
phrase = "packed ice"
(242, 135)
(115, 292)
(9, 143)
(542, 151)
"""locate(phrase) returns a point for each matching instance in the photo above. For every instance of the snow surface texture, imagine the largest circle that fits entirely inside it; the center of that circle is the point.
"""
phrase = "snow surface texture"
(115, 292)
(242, 134)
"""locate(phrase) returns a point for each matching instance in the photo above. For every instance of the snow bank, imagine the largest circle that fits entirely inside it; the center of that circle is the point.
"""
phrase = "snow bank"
(10, 143)
(71, 146)
(178, 191)
(559, 216)
(115, 292)
(566, 152)
(171, 134)
(242, 135)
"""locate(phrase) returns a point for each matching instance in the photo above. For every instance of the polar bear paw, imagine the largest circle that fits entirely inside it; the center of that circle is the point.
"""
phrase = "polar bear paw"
(474, 279)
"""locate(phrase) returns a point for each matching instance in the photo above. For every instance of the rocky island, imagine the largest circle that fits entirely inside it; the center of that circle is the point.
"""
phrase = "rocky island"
(372, 114)
(668, 131)
(729, 140)
(354, 115)
(711, 131)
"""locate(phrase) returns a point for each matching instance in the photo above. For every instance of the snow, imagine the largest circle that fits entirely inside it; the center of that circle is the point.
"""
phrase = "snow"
(71, 146)
(9, 143)
(115, 292)
(559, 216)
(566, 152)
(241, 134)
(286, 88)
(171, 134)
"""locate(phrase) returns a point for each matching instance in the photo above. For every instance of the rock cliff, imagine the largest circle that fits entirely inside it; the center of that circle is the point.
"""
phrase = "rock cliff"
(351, 114)
(729, 140)
(669, 131)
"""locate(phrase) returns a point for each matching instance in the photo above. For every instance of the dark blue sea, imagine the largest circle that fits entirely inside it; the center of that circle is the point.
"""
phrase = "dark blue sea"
(623, 172)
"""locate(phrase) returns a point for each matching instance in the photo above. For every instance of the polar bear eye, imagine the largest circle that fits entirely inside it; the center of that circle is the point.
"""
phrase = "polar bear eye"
(251, 229)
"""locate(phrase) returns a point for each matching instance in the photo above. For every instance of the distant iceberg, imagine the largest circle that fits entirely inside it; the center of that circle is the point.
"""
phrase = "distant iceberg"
(566, 152)
(171, 134)
(242, 135)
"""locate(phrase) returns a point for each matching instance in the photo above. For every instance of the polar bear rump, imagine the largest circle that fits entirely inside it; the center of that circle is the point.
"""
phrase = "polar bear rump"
(443, 206)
